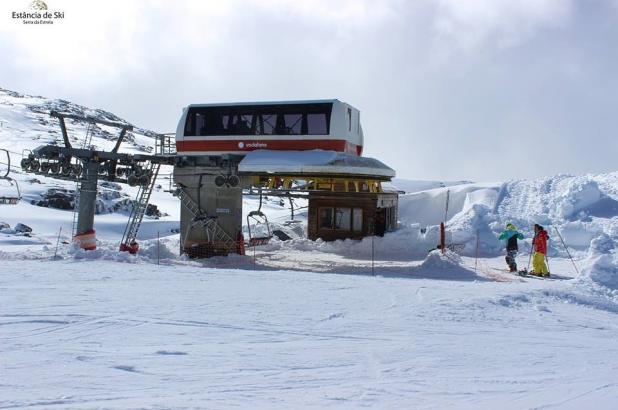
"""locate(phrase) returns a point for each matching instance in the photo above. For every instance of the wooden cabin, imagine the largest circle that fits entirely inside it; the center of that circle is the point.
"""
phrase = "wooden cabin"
(343, 215)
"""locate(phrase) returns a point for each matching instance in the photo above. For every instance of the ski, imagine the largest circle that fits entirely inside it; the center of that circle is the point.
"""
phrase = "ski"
(523, 273)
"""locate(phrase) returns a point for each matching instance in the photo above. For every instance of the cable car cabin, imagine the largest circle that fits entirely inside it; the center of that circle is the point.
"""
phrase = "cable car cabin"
(340, 215)
(215, 129)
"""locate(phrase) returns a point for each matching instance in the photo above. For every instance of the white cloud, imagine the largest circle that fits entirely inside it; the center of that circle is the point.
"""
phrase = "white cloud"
(472, 24)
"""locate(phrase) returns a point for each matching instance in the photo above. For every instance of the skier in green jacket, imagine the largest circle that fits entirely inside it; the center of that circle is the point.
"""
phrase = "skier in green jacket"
(510, 235)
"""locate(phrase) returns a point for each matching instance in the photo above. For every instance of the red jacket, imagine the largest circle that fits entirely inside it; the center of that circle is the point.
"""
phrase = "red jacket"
(540, 242)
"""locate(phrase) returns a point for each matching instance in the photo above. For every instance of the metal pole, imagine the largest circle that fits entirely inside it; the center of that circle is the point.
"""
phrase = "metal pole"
(442, 238)
(373, 272)
(476, 256)
(448, 195)
(158, 237)
(567, 250)
(57, 242)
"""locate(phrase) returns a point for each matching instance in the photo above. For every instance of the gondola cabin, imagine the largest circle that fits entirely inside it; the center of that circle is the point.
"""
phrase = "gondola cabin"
(236, 128)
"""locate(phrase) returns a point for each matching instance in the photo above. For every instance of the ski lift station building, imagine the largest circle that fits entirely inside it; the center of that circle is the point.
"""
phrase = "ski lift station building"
(287, 148)
(309, 149)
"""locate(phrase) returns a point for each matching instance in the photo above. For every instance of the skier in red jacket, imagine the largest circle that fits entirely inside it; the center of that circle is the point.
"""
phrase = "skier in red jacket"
(539, 243)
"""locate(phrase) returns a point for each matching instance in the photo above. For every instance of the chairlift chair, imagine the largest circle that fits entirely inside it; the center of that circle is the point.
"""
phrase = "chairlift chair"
(258, 227)
(10, 199)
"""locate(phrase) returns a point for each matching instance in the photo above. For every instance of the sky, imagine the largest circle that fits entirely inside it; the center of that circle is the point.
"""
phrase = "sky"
(482, 90)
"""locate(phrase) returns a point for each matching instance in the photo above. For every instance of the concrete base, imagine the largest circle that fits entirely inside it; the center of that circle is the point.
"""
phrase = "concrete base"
(223, 204)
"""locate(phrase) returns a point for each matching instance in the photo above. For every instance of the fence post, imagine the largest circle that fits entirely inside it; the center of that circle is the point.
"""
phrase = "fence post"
(372, 230)
(57, 242)
(442, 237)
(476, 256)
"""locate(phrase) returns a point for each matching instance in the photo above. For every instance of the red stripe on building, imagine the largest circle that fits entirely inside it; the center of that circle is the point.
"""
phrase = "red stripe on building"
(278, 145)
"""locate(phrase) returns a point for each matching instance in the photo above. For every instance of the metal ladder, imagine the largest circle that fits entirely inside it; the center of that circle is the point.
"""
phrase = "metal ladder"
(78, 188)
(139, 206)
(214, 232)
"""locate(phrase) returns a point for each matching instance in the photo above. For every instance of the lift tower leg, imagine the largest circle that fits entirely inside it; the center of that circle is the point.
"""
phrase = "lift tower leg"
(87, 205)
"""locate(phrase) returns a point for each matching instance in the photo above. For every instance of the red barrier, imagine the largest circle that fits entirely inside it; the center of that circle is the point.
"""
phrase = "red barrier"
(86, 240)
(133, 248)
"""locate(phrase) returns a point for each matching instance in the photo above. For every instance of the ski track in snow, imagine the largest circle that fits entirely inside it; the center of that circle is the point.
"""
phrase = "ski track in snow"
(91, 334)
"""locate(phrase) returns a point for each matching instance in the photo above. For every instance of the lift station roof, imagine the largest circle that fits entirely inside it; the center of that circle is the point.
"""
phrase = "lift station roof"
(314, 162)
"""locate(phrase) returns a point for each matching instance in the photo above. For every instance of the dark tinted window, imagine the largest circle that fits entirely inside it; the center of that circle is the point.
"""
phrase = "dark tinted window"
(284, 119)
(317, 124)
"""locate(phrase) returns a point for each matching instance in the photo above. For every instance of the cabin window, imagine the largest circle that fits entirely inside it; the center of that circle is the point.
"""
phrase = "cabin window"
(267, 119)
(317, 124)
(200, 122)
(326, 218)
(357, 219)
(343, 218)
(293, 124)
(268, 123)
(349, 119)
(242, 125)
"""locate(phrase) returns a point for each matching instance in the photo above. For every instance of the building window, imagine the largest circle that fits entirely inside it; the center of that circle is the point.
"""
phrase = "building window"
(317, 124)
(349, 119)
(326, 218)
(357, 220)
(267, 119)
(343, 218)
(293, 124)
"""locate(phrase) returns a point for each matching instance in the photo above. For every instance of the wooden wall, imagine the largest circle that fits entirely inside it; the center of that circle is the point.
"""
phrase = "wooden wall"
(366, 201)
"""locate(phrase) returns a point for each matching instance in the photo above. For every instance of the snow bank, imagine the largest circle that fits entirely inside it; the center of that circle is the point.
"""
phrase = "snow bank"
(403, 244)
(581, 207)
(428, 207)
(601, 266)
(440, 265)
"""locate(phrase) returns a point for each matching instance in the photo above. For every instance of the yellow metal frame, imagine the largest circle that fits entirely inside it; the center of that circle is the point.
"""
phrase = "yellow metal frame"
(334, 184)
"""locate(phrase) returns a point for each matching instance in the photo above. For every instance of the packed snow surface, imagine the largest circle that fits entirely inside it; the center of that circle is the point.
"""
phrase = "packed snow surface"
(96, 333)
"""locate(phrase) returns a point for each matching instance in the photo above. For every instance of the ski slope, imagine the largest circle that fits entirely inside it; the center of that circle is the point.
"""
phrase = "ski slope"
(87, 334)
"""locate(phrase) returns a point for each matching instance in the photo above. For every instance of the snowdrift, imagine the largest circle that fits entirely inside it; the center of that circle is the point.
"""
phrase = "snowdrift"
(438, 265)
(581, 207)
(601, 266)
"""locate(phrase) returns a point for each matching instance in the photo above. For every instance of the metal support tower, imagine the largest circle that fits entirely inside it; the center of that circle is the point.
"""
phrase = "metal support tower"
(87, 197)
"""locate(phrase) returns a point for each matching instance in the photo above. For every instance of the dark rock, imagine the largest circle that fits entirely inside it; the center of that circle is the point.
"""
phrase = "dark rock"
(20, 227)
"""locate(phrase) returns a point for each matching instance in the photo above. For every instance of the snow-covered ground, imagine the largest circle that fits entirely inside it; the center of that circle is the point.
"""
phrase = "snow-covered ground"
(379, 323)
(105, 334)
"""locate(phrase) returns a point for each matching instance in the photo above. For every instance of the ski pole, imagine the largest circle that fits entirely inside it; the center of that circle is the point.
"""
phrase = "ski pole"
(531, 251)
(567, 250)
